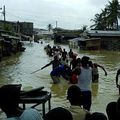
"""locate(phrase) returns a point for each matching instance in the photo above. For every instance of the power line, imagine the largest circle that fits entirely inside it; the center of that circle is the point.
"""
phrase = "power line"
(32, 13)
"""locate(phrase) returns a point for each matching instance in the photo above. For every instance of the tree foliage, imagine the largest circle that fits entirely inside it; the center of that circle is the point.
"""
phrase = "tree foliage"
(108, 18)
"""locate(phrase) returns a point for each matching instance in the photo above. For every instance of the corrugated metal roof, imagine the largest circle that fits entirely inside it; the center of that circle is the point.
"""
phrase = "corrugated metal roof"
(10, 36)
(77, 39)
(103, 33)
(83, 39)
(92, 39)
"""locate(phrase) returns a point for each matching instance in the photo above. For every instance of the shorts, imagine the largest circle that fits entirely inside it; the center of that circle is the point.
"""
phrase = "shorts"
(56, 79)
(95, 78)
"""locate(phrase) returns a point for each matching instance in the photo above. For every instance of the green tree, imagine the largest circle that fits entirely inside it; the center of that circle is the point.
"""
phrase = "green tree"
(113, 12)
(108, 18)
(97, 22)
(84, 27)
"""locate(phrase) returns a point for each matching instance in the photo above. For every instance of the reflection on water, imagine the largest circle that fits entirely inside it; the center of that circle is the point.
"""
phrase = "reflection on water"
(59, 90)
(95, 87)
(18, 69)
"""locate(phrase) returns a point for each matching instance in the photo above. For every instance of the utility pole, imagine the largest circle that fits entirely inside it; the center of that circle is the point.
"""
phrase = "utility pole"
(56, 24)
(4, 13)
(1, 9)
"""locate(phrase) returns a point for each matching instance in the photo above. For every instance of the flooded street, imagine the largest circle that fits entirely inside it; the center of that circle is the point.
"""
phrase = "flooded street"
(18, 68)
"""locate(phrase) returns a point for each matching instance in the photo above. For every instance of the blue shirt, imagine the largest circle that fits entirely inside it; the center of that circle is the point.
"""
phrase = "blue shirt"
(28, 114)
(58, 71)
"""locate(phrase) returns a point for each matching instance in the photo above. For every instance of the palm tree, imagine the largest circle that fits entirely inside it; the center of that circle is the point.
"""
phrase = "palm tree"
(104, 19)
(113, 11)
(108, 18)
(49, 27)
(98, 22)
(84, 27)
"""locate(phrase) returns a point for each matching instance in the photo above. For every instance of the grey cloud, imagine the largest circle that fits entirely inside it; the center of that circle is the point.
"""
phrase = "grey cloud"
(43, 12)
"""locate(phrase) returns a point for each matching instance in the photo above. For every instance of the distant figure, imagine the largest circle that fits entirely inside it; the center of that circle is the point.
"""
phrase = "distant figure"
(56, 53)
(64, 53)
(70, 54)
(49, 50)
(9, 103)
(73, 62)
(74, 95)
(60, 49)
(58, 113)
(117, 80)
(30, 39)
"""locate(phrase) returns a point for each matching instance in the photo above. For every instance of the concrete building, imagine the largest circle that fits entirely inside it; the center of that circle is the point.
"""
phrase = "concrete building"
(25, 28)
(85, 44)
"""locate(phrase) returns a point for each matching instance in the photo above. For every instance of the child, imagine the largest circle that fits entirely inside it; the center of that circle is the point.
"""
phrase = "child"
(74, 76)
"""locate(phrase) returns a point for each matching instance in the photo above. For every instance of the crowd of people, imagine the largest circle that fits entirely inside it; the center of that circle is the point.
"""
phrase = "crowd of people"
(9, 104)
(80, 73)
(68, 65)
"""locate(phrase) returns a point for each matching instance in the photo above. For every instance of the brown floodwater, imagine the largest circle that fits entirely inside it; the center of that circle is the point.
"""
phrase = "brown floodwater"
(18, 68)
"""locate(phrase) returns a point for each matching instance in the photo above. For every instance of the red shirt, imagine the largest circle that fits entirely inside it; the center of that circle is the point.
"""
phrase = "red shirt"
(73, 79)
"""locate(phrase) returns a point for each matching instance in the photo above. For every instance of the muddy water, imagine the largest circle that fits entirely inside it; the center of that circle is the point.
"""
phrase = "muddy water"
(18, 69)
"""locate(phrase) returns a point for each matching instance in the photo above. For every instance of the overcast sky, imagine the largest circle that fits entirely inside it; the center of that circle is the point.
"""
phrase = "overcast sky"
(69, 14)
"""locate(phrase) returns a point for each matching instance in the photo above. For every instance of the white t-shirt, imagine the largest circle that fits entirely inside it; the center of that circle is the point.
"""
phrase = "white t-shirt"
(85, 79)
(78, 113)
(28, 114)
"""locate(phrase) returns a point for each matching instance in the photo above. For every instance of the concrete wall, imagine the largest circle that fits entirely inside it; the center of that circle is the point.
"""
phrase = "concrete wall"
(110, 43)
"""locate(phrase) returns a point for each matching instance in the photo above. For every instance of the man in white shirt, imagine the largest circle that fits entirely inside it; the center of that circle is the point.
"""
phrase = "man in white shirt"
(84, 82)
